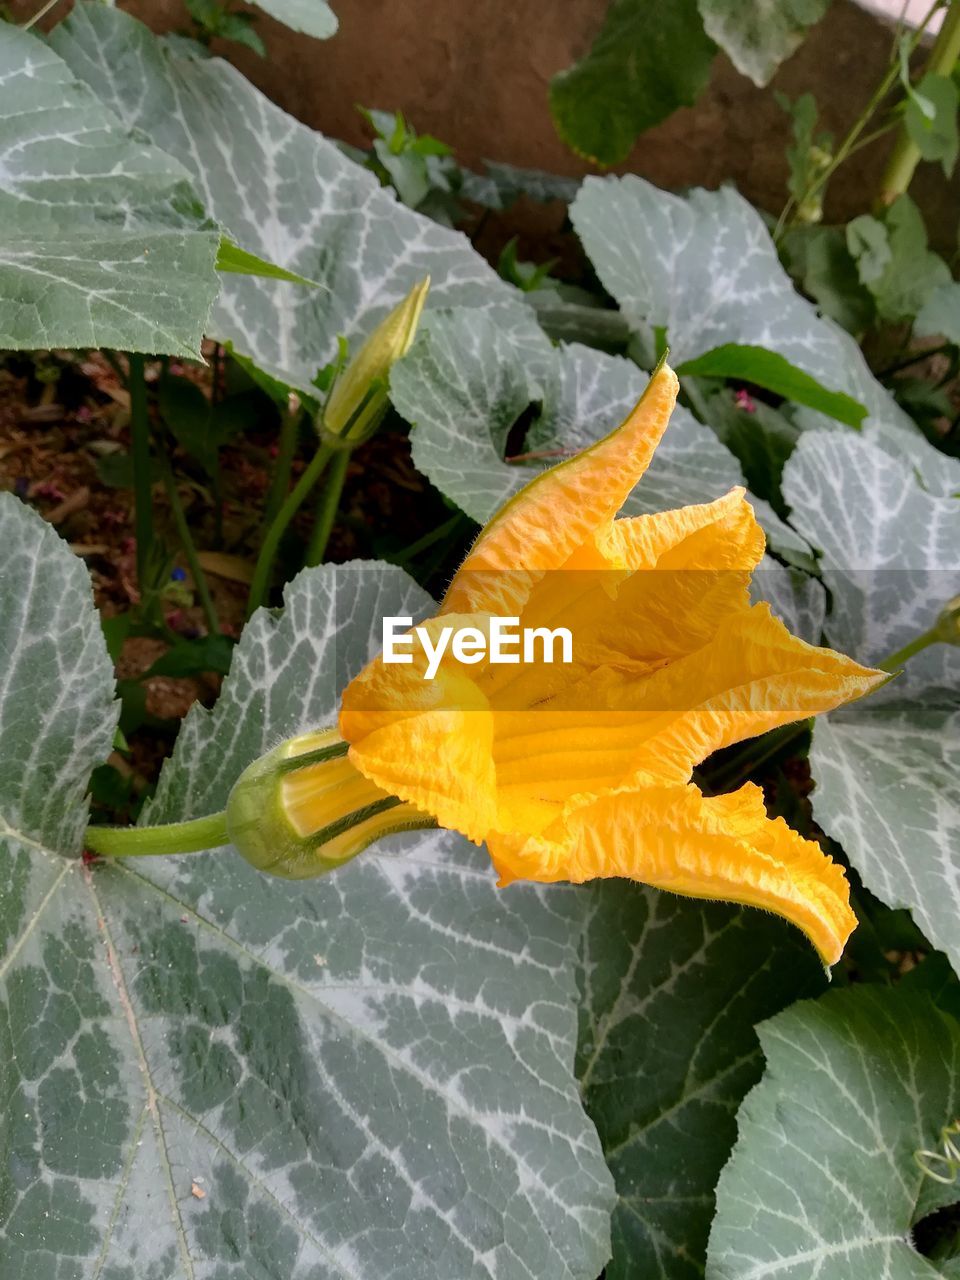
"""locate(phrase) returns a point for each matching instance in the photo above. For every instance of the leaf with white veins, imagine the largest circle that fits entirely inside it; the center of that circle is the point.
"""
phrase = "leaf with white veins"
(102, 242)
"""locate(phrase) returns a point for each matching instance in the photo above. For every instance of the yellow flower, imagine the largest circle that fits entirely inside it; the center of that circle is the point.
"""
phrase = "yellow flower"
(578, 770)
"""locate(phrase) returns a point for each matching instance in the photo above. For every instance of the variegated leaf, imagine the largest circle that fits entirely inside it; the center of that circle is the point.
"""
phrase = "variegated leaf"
(703, 268)
(283, 192)
(887, 768)
(210, 1074)
(823, 1181)
(671, 992)
(102, 241)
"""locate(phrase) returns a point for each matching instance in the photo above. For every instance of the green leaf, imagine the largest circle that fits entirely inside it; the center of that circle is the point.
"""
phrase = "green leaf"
(939, 317)
(501, 185)
(759, 436)
(312, 17)
(671, 992)
(757, 35)
(893, 260)
(239, 27)
(464, 385)
(568, 313)
(931, 119)
(186, 411)
(823, 1180)
(102, 242)
(648, 60)
(286, 194)
(820, 259)
(231, 258)
(809, 156)
(210, 1071)
(189, 657)
(57, 713)
(703, 267)
(775, 373)
(888, 768)
(797, 599)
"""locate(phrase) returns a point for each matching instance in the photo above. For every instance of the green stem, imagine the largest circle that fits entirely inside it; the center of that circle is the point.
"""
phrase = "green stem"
(906, 155)
(917, 645)
(280, 481)
(850, 141)
(428, 539)
(268, 549)
(140, 453)
(189, 548)
(175, 837)
(327, 509)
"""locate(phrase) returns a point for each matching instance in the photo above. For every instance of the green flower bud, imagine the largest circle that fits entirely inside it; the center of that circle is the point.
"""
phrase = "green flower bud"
(303, 809)
(360, 395)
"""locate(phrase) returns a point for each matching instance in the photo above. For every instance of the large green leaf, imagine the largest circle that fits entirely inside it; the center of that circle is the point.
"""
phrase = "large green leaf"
(823, 1182)
(465, 384)
(284, 193)
(887, 769)
(102, 242)
(703, 268)
(757, 35)
(57, 721)
(313, 17)
(648, 59)
(671, 992)
(206, 1072)
(405, 1101)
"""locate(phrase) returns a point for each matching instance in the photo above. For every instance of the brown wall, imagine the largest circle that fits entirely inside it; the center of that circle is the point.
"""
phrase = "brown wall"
(475, 73)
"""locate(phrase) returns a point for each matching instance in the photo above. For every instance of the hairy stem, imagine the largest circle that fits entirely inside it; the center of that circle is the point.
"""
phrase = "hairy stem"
(896, 660)
(140, 453)
(327, 508)
(271, 542)
(189, 548)
(849, 144)
(174, 837)
(286, 448)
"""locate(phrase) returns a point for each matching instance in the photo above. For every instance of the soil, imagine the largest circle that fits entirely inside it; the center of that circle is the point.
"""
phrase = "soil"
(64, 439)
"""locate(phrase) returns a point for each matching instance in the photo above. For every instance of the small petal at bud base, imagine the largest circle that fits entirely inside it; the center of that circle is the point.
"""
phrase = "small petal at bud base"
(303, 809)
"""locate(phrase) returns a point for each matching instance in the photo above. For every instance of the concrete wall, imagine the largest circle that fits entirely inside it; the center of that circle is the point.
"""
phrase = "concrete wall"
(475, 73)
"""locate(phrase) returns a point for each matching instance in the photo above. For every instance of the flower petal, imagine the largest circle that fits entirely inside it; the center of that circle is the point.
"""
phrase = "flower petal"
(430, 742)
(627, 724)
(674, 838)
(723, 534)
(558, 511)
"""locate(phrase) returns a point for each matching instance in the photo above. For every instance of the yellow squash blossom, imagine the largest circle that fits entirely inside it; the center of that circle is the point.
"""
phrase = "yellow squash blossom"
(582, 770)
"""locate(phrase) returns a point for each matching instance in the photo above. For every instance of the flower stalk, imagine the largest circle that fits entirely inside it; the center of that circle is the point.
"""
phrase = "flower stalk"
(195, 836)
(946, 630)
(355, 408)
(906, 154)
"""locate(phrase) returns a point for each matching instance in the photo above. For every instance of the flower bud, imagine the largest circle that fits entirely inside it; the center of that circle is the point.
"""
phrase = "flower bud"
(303, 809)
(359, 398)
